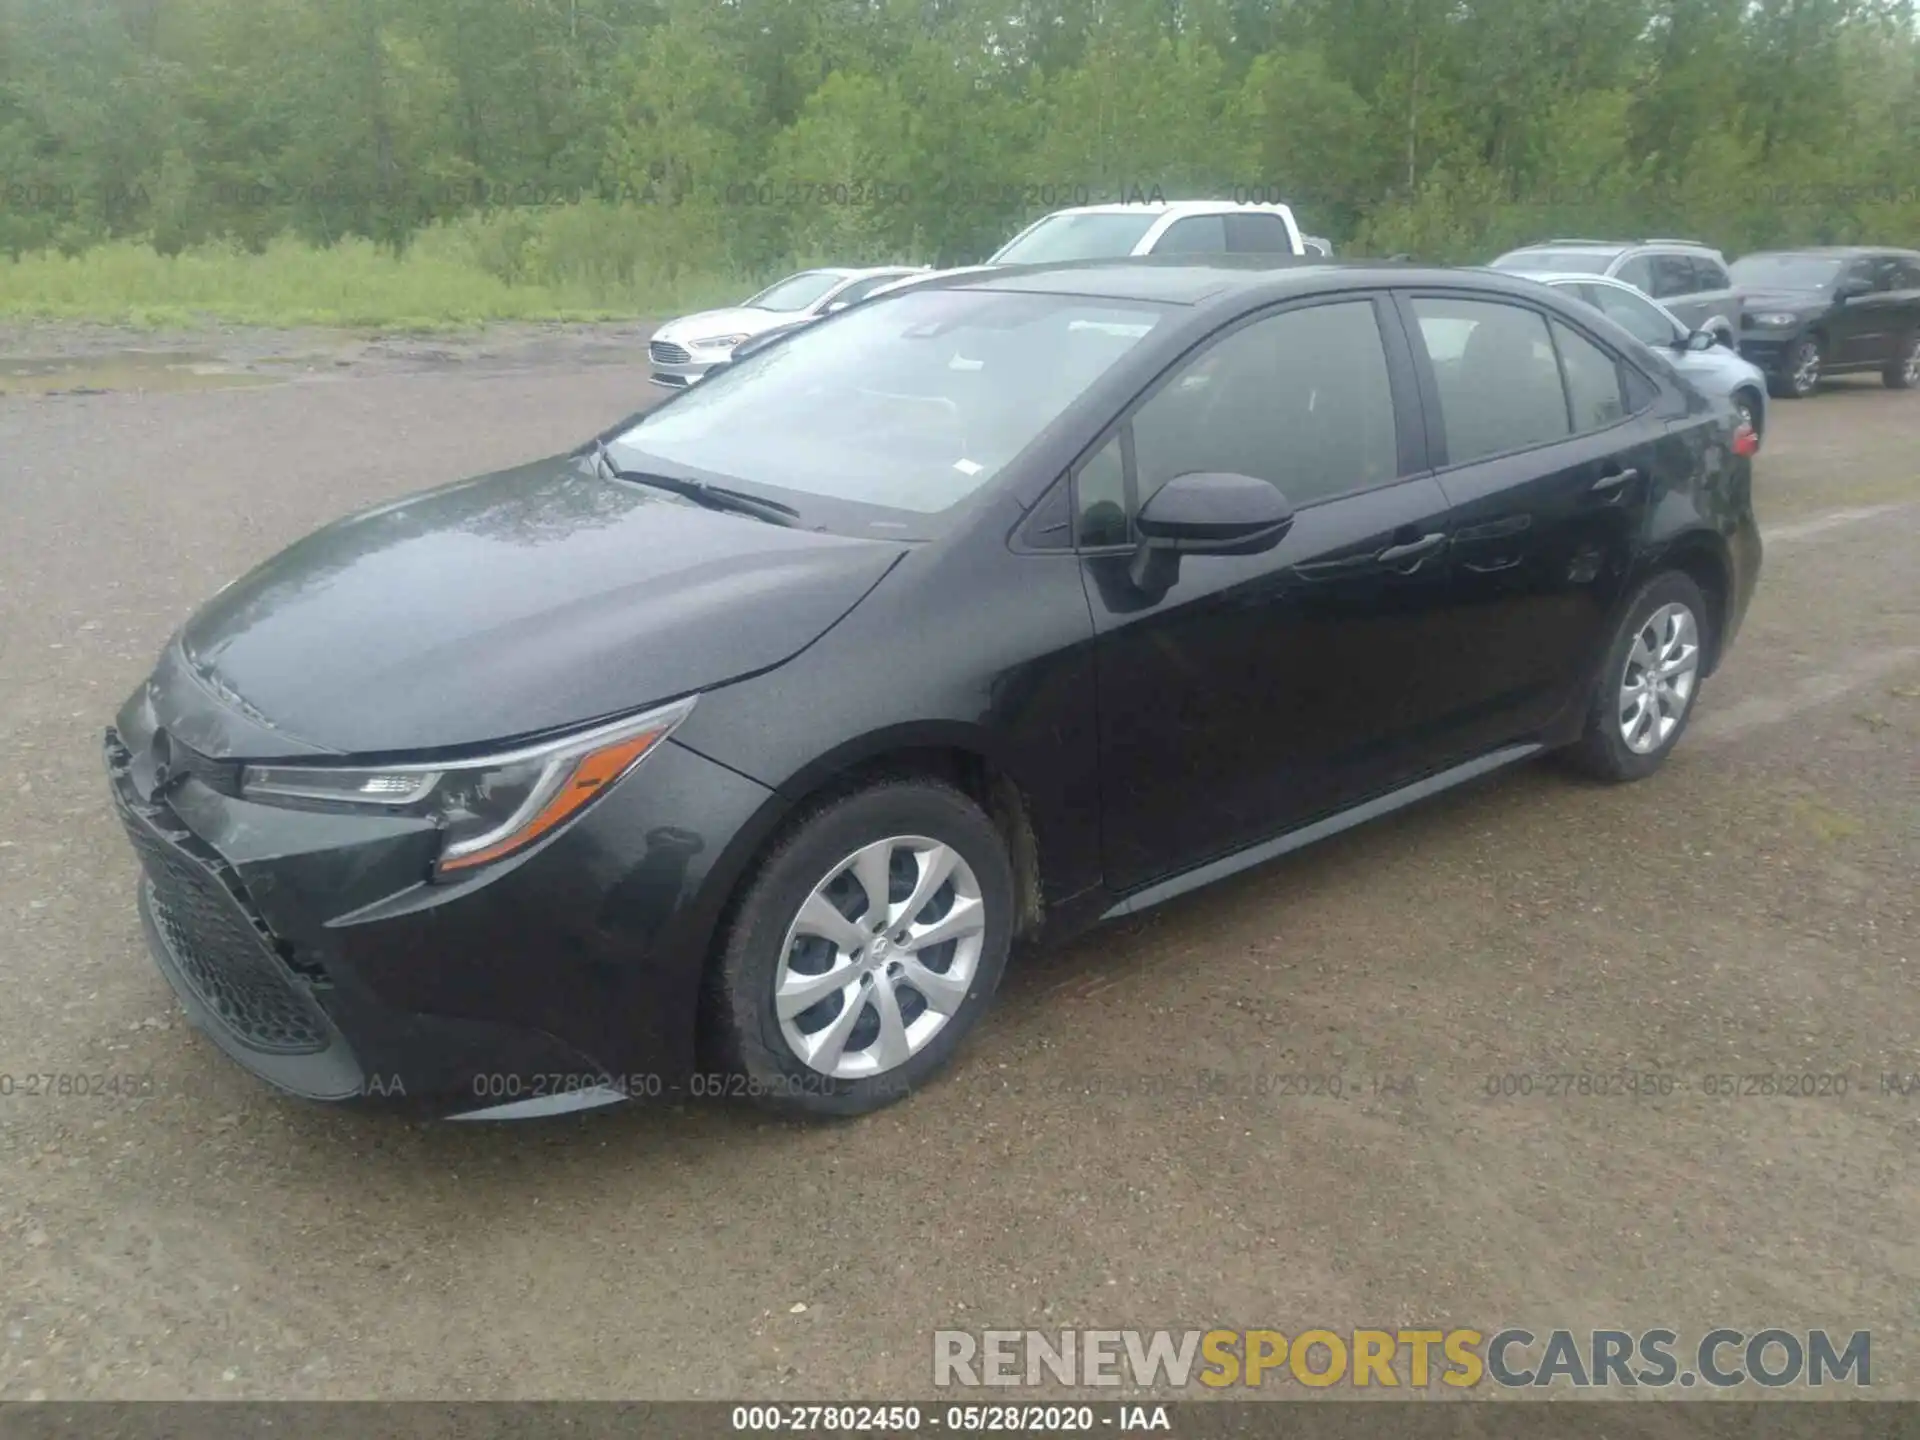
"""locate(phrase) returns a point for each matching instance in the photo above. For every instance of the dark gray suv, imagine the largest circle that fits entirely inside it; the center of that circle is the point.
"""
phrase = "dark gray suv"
(1689, 277)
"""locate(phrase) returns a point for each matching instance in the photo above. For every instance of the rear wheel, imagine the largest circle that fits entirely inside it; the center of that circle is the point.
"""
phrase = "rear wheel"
(1647, 687)
(1904, 372)
(868, 945)
(1799, 377)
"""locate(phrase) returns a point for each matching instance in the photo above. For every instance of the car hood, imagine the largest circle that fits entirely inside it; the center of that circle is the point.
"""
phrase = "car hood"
(1761, 301)
(708, 324)
(500, 608)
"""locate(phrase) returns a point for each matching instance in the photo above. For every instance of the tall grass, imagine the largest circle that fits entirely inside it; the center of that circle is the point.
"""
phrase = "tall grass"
(580, 262)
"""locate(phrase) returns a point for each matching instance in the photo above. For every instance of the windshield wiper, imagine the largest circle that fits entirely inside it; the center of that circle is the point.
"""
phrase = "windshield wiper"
(701, 492)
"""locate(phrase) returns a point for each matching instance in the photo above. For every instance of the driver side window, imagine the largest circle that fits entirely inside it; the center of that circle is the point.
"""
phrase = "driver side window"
(1300, 399)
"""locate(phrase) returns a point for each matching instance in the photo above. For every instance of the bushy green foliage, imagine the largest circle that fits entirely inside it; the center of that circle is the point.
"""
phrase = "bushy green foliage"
(477, 157)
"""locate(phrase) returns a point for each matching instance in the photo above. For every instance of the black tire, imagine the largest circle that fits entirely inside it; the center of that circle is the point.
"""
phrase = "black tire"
(1904, 372)
(1793, 382)
(1602, 751)
(747, 1031)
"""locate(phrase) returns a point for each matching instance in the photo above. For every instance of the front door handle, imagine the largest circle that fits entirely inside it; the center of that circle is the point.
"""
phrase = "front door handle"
(1411, 554)
(1619, 478)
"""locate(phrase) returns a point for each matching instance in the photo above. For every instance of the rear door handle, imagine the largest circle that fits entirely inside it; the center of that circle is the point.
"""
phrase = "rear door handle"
(1615, 481)
(1412, 553)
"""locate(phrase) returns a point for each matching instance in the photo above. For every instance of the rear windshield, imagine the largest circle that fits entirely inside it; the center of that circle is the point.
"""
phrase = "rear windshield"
(1077, 237)
(911, 402)
(1584, 262)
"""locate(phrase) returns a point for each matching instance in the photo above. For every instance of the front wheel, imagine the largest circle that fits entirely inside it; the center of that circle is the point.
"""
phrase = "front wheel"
(1800, 376)
(1648, 684)
(1904, 372)
(867, 946)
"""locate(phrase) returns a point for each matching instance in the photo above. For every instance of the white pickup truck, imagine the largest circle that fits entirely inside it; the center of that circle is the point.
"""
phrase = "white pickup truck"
(1169, 227)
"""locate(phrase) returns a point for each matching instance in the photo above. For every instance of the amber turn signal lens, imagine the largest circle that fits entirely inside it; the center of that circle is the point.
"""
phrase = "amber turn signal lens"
(591, 774)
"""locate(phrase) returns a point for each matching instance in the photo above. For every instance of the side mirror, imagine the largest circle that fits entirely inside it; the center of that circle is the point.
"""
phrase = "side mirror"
(1205, 513)
(1852, 290)
(1702, 340)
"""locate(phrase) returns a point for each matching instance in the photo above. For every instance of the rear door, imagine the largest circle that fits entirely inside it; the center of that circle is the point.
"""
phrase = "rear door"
(1545, 442)
(1259, 692)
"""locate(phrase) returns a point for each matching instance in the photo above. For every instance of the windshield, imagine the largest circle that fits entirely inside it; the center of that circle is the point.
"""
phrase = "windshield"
(1077, 237)
(912, 402)
(1787, 272)
(796, 292)
(1584, 262)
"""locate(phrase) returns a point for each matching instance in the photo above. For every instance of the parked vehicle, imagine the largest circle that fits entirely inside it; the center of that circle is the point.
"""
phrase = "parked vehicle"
(1833, 311)
(684, 350)
(1173, 227)
(1690, 278)
(730, 752)
(1700, 355)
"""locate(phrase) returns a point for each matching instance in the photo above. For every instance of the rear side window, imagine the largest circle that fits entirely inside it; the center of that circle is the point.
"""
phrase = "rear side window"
(1195, 235)
(1497, 373)
(1258, 235)
(1593, 381)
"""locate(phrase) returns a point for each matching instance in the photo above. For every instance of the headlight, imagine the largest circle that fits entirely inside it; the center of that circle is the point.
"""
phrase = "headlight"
(717, 342)
(1776, 321)
(491, 806)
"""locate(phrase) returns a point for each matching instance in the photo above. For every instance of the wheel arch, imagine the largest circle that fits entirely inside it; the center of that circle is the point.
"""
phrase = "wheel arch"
(953, 754)
(1701, 555)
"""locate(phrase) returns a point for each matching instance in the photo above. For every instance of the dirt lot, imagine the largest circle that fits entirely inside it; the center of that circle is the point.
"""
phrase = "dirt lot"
(1749, 912)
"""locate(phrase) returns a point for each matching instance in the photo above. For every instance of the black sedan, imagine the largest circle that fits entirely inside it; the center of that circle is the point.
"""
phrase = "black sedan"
(732, 752)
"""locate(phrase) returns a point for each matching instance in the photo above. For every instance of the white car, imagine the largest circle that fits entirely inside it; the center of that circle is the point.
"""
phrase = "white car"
(682, 351)
(1168, 227)
(1703, 356)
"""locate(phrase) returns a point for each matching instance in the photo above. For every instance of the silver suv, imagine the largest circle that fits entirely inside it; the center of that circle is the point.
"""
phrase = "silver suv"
(1689, 277)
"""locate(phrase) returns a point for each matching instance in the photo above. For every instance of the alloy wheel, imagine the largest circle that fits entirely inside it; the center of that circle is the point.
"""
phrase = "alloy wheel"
(1806, 369)
(1658, 682)
(1911, 370)
(882, 955)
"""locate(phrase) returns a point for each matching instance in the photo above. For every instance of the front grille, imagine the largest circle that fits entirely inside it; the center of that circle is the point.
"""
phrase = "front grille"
(223, 952)
(665, 352)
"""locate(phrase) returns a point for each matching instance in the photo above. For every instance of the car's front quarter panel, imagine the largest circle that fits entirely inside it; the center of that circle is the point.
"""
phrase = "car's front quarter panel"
(966, 647)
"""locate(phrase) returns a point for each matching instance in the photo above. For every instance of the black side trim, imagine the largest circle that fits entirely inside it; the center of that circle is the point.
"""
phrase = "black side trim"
(1320, 830)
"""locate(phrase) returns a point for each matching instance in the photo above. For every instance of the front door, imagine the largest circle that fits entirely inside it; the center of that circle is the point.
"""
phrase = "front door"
(1257, 692)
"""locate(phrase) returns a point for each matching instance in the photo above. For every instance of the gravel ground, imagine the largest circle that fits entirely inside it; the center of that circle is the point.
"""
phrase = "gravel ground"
(1750, 911)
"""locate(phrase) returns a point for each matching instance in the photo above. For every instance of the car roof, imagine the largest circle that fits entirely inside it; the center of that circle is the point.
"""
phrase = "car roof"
(1218, 279)
(1614, 247)
(1833, 252)
(1583, 277)
(1171, 207)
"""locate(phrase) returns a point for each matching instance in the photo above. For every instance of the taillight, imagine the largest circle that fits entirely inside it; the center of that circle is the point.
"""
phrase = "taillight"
(1746, 442)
